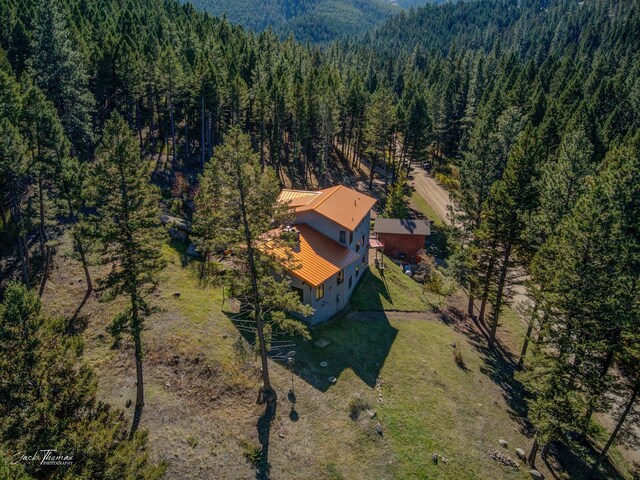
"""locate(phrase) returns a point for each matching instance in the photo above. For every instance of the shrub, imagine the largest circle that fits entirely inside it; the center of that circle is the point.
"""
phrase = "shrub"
(357, 405)
(457, 356)
(192, 441)
(251, 452)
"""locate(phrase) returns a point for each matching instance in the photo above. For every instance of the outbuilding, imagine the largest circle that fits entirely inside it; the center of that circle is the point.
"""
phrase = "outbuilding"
(402, 238)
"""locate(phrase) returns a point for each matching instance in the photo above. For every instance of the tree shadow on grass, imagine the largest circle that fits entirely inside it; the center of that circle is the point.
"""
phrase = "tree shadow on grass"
(565, 460)
(77, 324)
(500, 365)
(264, 436)
(359, 341)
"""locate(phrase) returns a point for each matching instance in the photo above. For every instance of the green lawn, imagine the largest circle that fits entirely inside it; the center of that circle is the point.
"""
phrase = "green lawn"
(201, 381)
(390, 289)
(422, 206)
(438, 242)
(429, 404)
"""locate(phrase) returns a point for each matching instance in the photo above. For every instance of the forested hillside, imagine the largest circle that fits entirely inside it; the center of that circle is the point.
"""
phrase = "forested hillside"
(529, 111)
(307, 20)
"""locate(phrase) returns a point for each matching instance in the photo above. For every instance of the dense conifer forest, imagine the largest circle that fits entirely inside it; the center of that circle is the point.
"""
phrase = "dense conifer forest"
(528, 111)
(314, 21)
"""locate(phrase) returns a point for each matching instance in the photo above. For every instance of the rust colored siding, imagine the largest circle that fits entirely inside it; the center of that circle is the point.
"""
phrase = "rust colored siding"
(396, 244)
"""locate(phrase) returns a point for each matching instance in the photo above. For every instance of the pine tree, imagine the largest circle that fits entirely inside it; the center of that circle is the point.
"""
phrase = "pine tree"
(48, 397)
(127, 225)
(71, 177)
(379, 128)
(396, 205)
(58, 70)
(47, 144)
(236, 209)
(507, 213)
(13, 167)
(562, 179)
(588, 273)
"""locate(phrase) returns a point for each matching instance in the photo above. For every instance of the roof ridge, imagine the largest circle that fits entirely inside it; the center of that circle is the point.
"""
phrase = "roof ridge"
(333, 190)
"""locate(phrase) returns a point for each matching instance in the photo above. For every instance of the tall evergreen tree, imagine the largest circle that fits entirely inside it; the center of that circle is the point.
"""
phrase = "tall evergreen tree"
(380, 129)
(507, 213)
(127, 225)
(48, 397)
(236, 209)
(396, 205)
(58, 70)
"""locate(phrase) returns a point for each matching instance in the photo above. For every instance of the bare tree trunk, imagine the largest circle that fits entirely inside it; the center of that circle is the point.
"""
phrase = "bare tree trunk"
(3, 212)
(85, 267)
(45, 273)
(485, 292)
(591, 404)
(137, 414)
(614, 434)
(186, 136)
(152, 132)
(471, 305)
(139, 123)
(43, 234)
(173, 130)
(372, 166)
(498, 306)
(266, 389)
(531, 460)
(525, 345)
(202, 125)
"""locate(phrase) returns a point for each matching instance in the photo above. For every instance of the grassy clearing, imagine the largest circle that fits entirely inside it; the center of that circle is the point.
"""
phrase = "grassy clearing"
(390, 289)
(200, 409)
(438, 243)
(421, 205)
(426, 405)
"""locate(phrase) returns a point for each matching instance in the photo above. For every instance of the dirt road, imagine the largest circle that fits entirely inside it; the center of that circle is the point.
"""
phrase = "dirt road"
(432, 192)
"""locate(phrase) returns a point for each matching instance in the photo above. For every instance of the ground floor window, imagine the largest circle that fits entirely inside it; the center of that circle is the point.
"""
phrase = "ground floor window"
(319, 291)
(300, 293)
(350, 281)
(357, 270)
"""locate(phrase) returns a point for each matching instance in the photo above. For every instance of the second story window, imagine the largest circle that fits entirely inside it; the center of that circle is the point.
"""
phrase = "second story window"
(340, 277)
(350, 238)
(343, 236)
(319, 291)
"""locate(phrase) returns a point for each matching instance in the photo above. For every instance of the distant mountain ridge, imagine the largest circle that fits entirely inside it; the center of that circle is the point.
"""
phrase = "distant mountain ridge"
(312, 20)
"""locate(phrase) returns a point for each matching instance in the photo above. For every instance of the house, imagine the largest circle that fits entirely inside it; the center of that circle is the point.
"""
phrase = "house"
(331, 254)
(402, 238)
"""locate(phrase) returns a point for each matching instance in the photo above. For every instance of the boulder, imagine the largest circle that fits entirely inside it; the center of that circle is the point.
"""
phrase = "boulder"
(176, 222)
(521, 454)
(503, 442)
(192, 251)
(177, 235)
(535, 474)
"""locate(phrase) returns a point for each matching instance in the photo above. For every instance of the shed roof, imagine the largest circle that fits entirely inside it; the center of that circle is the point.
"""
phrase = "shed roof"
(407, 226)
(316, 259)
(343, 205)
